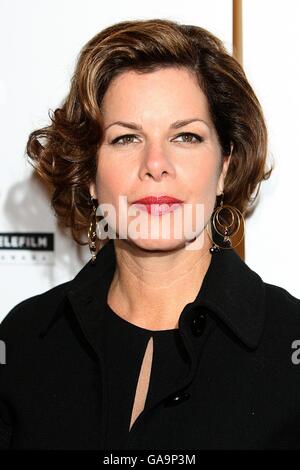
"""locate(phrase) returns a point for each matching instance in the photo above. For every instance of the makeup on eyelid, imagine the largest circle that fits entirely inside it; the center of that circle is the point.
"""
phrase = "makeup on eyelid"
(198, 138)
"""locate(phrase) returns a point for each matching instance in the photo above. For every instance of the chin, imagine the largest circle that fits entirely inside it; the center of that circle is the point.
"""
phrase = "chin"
(159, 245)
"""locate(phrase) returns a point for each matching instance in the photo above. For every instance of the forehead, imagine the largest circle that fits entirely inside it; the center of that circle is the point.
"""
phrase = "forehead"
(165, 91)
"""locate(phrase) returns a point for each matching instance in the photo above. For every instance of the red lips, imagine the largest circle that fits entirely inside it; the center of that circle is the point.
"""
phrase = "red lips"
(157, 200)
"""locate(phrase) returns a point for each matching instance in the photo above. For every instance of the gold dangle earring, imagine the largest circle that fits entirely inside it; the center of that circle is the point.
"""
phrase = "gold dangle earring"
(222, 228)
(92, 235)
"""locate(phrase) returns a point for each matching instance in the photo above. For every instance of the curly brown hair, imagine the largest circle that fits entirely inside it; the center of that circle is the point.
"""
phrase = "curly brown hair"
(66, 158)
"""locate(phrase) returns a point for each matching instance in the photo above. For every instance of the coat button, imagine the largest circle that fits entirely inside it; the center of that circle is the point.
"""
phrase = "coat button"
(176, 399)
(198, 322)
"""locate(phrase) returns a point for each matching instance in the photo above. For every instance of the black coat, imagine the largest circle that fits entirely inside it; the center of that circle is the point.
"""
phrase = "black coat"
(242, 390)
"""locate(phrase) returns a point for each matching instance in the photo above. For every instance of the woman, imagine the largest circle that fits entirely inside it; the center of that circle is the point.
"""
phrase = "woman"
(159, 342)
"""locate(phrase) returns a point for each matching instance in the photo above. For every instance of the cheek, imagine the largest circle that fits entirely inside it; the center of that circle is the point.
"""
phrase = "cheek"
(110, 182)
(203, 182)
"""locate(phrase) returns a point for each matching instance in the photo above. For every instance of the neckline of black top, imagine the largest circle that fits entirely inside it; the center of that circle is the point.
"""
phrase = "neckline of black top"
(135, 328)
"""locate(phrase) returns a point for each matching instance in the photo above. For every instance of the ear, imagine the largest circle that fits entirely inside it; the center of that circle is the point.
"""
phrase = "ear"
(222, 176)
(92, 189)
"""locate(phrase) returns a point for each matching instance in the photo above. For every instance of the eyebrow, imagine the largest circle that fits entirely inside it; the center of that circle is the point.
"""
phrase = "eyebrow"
(174, 125)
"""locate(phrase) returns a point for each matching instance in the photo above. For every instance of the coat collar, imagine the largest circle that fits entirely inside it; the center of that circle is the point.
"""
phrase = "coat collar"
(230, 289)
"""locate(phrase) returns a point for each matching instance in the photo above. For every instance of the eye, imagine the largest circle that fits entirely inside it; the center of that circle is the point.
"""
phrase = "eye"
(190, 136)
(126, 140)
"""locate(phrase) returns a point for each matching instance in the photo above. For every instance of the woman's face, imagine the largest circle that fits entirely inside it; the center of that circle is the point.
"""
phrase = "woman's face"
(156, 158)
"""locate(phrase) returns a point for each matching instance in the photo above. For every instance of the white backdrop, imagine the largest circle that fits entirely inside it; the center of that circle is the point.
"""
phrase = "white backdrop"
(272, 63)
(39, 45)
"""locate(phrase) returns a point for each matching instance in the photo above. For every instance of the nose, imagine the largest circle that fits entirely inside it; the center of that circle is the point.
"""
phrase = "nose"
(155, 163)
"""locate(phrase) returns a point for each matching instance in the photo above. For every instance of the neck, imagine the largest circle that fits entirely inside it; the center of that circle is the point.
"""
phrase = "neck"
(150, 289)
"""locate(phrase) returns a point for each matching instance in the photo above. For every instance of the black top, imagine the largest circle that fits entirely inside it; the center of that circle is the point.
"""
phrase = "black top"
(71, 367)
(124, 347)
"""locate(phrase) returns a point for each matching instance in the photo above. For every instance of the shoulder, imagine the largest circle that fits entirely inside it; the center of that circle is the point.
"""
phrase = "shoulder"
(282, 317)
(33, 311)
(22, 352)
(281, 301)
